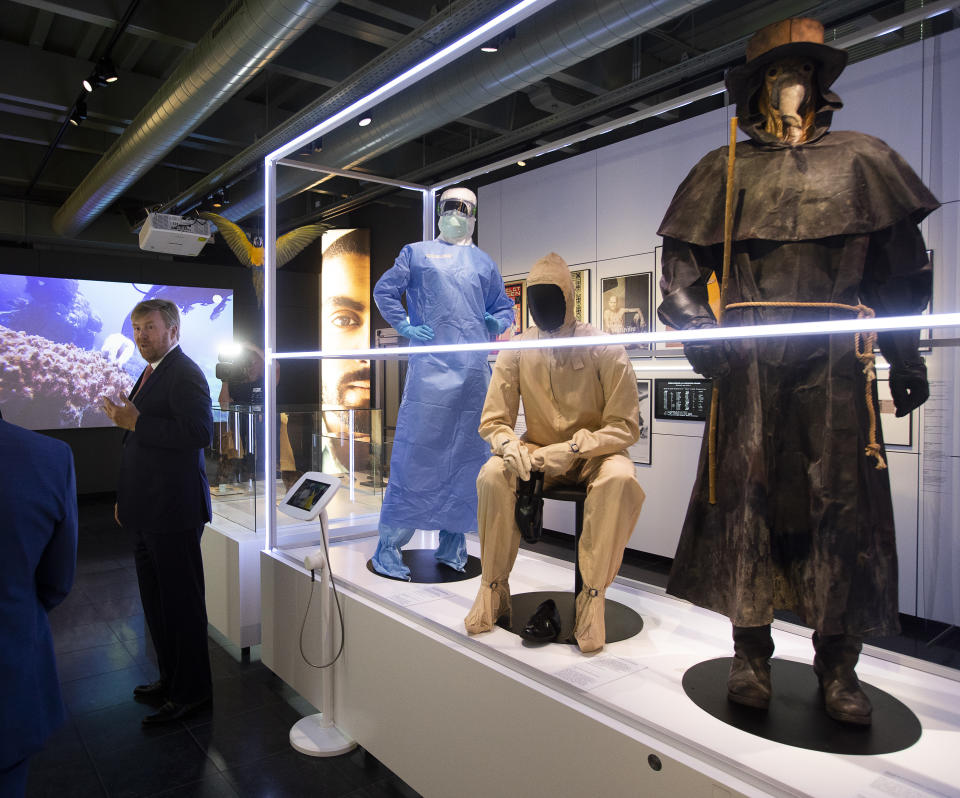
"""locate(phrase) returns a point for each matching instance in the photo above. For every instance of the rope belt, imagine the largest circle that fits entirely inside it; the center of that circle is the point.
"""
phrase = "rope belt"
(864, 344)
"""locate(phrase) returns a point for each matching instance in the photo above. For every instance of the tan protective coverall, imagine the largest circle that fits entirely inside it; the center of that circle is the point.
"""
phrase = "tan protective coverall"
(584, 395)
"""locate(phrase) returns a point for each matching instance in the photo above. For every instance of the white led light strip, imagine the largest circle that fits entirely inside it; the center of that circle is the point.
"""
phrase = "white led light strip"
(880, 324)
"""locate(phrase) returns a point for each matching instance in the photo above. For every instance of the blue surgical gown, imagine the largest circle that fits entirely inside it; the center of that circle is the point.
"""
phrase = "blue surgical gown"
(437, 452)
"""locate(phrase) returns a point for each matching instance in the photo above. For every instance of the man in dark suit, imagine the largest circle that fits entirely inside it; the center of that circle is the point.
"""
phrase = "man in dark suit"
(163, 499)
(38, 557)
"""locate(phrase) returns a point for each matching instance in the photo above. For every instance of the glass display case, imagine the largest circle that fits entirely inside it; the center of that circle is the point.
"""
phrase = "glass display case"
(348, 442)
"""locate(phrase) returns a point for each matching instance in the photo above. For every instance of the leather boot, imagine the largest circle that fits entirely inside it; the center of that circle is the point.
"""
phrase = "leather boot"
(749, 680)
(492, 603)
(834, 664)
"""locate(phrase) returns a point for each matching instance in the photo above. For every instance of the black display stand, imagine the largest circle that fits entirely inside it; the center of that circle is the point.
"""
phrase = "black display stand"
(426, 569)
(621, 621)
(796, 715)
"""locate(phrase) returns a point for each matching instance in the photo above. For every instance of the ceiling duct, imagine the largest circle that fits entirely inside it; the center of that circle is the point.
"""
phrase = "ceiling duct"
(242, 40)
(444, 26)
(566, 33)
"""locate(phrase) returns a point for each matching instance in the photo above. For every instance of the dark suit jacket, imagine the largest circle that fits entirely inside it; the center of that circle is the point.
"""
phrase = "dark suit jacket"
(163, 482)
(38, 557)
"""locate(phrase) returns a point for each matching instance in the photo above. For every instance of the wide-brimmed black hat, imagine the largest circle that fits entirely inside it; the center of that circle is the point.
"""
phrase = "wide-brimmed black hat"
(790, 38)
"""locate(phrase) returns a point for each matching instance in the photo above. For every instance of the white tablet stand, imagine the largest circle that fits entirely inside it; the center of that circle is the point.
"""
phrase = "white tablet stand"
(318, 735)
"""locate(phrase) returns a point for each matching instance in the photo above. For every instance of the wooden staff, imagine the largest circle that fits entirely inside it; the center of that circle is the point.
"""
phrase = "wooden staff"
(727, 253)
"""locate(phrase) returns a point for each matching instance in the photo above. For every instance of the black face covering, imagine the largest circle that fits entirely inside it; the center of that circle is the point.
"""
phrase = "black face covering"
(547, 306)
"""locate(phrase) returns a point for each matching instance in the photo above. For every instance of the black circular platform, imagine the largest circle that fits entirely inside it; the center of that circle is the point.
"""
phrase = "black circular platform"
(426, 568)
(621, 622)
(796, 715)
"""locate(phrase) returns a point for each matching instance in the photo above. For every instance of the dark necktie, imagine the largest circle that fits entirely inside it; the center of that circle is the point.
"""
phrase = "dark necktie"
(146, 375)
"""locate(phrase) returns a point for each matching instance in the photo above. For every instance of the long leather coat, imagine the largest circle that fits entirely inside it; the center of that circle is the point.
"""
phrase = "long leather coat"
(803, 519)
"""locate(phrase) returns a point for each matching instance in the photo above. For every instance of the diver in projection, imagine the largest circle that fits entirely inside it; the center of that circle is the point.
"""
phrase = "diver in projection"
(454, 295)
(582, 411)
(824, 227)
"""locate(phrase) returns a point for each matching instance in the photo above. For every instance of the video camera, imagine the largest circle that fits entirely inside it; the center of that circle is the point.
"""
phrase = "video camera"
(233, 363)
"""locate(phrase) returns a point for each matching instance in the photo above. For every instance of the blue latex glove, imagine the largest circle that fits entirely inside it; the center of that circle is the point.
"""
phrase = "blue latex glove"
(418, 332)
(492, 324)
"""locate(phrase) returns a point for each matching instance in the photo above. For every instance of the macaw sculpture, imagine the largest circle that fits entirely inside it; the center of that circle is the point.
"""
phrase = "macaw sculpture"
(249, 254)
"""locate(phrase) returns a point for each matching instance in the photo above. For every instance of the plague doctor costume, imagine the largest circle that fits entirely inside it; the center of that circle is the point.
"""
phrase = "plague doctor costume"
(582, 412)
(454, 295)
(825, 224)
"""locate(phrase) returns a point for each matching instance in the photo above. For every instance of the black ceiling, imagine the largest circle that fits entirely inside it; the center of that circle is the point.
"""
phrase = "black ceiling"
(48, 46)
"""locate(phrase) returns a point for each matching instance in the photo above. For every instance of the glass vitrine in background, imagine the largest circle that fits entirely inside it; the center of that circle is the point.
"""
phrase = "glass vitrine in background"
(339, 441)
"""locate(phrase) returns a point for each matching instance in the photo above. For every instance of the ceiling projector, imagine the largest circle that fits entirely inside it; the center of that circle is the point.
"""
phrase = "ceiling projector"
(174, 235)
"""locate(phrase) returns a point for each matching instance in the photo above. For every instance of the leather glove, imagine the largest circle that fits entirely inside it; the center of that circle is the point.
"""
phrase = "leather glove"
(908, 385)
(416, 332)
(708, 358)
(557, 458)
(493, 324)
(517, 458)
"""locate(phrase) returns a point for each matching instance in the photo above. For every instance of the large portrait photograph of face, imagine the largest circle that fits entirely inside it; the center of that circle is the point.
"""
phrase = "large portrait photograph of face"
(345, 325)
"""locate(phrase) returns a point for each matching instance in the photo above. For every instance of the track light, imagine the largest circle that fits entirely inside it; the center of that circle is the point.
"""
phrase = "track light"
(103, 73)
(79, 113)
(107, 70)
(219, 198)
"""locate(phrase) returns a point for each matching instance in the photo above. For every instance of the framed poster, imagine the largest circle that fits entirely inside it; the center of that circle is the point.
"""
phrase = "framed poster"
(625, 303)
(640, 451)
(896, 431)
(687, 400)
(581, 295)
(516, 290)
(675, 348)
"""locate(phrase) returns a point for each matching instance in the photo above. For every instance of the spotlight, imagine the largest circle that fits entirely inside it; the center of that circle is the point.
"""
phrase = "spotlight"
(521, 163)
(365, 121)
(219, 198)
(103, 73)
(490, 47)
(79, 113)
(107, 70)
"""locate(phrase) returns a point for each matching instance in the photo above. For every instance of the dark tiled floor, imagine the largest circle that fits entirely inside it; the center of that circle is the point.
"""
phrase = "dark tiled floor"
(238, 747)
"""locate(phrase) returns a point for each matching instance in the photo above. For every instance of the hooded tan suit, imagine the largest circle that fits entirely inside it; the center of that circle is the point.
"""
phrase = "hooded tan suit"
(581, 395)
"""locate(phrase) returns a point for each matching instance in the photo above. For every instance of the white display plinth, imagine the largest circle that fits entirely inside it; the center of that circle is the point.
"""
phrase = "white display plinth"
(491, 715)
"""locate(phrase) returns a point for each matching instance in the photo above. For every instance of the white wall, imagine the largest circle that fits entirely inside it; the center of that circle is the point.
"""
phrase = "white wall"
(601, 210)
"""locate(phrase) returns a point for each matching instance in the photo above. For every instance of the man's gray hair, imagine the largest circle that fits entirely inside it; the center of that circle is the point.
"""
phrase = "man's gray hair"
(168, 311)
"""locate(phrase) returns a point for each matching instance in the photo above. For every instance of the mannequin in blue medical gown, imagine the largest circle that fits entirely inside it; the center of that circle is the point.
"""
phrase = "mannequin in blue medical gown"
(454, 295)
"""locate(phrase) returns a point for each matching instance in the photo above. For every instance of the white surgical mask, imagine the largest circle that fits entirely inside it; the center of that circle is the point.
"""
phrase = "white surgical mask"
(454, 227)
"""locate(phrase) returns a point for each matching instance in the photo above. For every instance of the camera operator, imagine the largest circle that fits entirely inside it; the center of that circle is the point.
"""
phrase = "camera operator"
(242, 376)
(241, 371)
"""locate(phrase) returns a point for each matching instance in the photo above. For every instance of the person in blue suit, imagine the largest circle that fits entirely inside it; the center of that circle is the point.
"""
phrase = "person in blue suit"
(163, 500)
(454, 295)
(38, 558)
